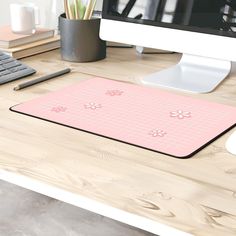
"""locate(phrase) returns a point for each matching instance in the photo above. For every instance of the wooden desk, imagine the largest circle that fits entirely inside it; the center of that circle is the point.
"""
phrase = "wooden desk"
(130, 184)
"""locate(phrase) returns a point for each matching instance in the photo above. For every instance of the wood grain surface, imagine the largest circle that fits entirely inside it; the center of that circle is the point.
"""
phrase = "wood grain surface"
(196, 195)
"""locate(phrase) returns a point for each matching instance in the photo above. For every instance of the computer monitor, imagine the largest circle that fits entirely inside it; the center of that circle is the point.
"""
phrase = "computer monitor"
(203, 30)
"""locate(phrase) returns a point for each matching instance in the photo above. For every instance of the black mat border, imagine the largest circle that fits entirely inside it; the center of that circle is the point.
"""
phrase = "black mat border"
(135, 145)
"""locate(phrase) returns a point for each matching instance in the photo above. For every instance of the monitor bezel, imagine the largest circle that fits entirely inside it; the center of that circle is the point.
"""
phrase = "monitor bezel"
(165, 25)
(166, 38)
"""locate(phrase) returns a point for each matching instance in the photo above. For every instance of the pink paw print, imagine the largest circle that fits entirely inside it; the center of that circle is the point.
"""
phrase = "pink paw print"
(114, 92)
(180, 114)
(92, 106)
(59, 109)
(157, 133)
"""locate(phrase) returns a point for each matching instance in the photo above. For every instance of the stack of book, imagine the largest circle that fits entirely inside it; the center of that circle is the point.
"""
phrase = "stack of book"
(19, 45)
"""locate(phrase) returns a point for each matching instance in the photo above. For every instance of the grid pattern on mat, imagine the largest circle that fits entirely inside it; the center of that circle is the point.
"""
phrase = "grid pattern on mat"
(147, 117)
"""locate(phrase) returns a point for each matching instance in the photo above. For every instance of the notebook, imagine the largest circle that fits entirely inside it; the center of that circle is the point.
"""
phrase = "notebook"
(33, 48)
(8, 39)
(142, 116)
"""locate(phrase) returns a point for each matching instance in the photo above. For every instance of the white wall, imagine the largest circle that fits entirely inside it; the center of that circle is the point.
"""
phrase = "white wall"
(44, 5)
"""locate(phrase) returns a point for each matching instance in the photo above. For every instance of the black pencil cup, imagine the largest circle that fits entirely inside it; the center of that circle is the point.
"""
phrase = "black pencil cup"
(80, 40)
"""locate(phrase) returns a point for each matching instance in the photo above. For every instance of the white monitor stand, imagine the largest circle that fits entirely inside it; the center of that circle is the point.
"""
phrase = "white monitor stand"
(207, 53)
(192, 74)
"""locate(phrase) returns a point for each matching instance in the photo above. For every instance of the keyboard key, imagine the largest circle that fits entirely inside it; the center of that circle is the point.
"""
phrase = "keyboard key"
(1, 68)
(4, 57)
(11, 69)
(7, 60)
(22, 67)
(5, 72)
(17, 75)
(14, 69)
(11, 64)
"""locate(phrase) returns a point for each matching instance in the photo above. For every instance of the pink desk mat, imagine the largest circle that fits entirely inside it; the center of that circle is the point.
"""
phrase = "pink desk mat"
(142, 116)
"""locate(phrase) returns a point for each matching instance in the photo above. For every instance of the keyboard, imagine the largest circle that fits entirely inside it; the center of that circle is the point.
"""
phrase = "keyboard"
(12, 69)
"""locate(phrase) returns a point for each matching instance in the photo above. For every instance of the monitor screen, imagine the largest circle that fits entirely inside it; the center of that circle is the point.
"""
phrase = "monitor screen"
(216, 17)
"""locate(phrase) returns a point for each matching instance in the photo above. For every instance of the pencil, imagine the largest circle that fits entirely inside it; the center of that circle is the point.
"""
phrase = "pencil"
(70, 10)
(88, 9)
(76, 9)
(91, 10)
(42, 79)
(66, 9)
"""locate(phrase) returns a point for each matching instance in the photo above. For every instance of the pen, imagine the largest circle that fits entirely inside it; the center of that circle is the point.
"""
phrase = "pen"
(42, 79)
